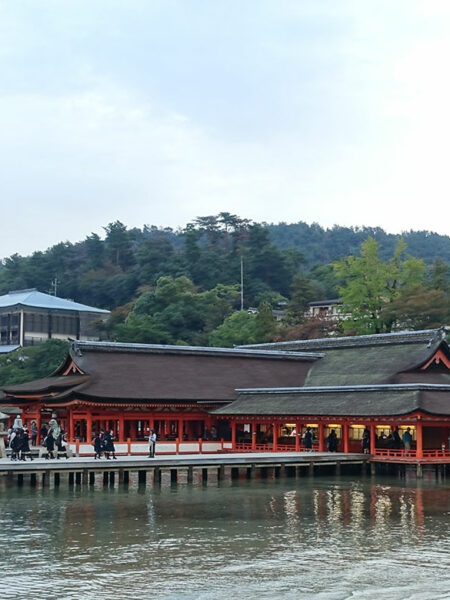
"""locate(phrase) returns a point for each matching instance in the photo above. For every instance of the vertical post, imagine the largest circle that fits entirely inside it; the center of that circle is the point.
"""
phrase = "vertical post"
(419, 439)
(21, 330)
(242, 283)
(297, 436)
(89, 427)
(71, 426)
(77, 447)
(233, 435)
(121, 428)
(275, 437)
(321, 437)
(38, 425)
(253, 426)
(345, 433)
(128, 446)
(180, 430)
(372, 438)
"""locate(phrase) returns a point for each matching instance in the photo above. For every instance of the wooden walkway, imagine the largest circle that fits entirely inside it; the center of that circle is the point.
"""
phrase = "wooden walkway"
(162, 469)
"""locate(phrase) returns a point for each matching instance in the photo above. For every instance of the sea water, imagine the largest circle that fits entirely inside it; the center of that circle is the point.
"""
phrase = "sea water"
(324, 538)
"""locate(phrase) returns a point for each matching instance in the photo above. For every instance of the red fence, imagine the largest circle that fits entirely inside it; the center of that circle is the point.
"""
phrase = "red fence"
(426, 454)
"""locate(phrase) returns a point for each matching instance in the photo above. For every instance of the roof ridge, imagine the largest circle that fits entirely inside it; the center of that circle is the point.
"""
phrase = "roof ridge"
(378, 339)
(78, 347)
(397, 387)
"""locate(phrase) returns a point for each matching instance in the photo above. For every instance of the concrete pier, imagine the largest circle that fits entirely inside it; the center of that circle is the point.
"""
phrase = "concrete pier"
(170, 470)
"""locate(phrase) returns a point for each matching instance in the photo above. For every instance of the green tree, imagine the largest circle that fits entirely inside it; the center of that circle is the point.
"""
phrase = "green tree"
(33, 362)
(371, 284)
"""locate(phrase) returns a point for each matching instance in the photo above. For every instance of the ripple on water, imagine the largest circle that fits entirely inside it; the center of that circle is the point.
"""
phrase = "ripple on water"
(330, 539)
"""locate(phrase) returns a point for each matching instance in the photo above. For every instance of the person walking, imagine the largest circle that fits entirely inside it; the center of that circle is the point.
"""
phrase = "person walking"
(25, 445)
(108, 442)
(151, 443)
(98, 446)
(14, 444)
(60, 444)
(49, 444)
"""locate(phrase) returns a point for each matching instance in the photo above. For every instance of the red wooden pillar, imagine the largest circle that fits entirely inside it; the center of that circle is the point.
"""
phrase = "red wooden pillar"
(38, 425)
(233, 435)
(121, 435)
(71, 426)
(345, 433)
(419, 439)
(180, 429)
(88, 427)
(275, 437)
(298, 436)
(372, 438)
(321, 438)
(253, 426)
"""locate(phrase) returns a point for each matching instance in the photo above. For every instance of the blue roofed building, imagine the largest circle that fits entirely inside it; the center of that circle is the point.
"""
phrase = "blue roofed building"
(29, 317)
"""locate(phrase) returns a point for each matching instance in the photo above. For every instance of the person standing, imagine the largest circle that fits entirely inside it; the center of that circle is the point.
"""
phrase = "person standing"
(308, 439)
(34, 433)
(18, 423)
(332, 441)
(366, 441)
(151, 443)
(407, 439)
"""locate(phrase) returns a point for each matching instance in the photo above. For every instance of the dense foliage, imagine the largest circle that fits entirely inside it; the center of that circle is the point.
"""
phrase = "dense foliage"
(33, 362)
(183, 287)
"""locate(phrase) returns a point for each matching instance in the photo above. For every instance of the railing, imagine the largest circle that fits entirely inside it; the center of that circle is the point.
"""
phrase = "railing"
(426, 454)
(248, 447)
(131, 448)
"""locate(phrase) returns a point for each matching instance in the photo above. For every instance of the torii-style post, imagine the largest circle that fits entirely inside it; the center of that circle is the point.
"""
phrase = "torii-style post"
(419, 438)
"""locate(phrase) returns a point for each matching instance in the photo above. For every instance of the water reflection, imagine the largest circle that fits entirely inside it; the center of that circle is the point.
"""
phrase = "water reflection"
(293, 538)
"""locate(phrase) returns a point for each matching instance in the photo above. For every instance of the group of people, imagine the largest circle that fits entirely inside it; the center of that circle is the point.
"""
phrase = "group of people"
(393, 441)
(104, 444)
(53, 440)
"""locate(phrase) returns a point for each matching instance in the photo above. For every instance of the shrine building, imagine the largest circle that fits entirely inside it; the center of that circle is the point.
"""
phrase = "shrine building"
(253, 398)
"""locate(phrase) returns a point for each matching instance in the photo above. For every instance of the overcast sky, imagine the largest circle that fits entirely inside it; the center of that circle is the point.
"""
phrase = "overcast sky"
(157, 112)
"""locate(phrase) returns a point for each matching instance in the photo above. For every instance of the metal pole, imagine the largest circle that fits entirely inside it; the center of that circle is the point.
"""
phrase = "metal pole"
(242, 283)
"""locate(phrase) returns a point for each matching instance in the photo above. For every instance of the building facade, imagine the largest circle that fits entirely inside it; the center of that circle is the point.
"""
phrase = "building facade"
(261, 397)
(29, 317)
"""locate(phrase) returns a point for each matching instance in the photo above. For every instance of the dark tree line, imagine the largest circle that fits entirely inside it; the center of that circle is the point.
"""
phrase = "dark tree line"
(167, 286)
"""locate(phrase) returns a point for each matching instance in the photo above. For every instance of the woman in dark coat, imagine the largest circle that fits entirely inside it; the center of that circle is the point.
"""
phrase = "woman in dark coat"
(366, 441)
(49, 443)
(109, 444)
(25, 445)
(15, 443)
(332, 441)
(308, 439)
(60, 445)
(98, 446)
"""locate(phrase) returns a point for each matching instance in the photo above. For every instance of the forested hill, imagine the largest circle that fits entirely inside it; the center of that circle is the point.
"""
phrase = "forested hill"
(114, 269)
(320, 245)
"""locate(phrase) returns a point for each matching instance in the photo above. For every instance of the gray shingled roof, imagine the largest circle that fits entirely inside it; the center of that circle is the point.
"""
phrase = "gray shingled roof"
(363, 402)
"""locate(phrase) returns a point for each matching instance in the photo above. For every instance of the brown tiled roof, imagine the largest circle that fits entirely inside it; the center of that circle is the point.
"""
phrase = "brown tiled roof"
(177, 374)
